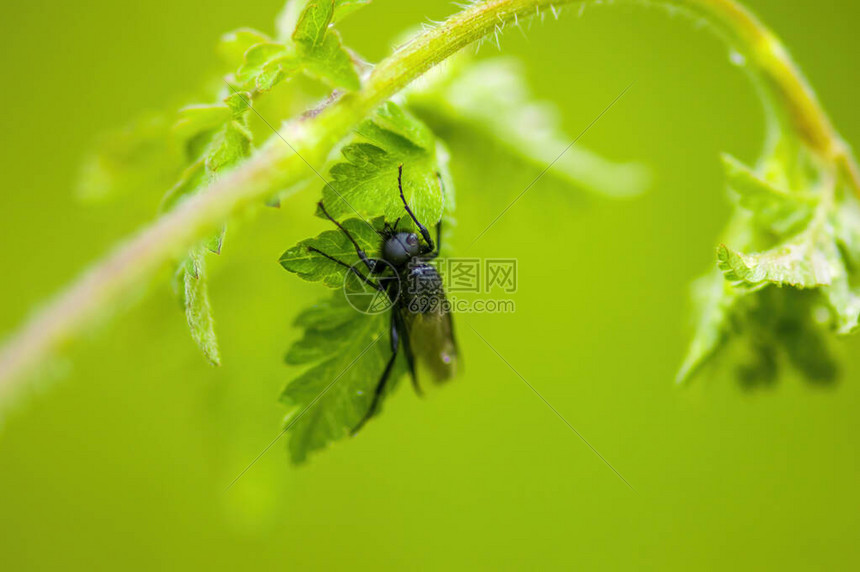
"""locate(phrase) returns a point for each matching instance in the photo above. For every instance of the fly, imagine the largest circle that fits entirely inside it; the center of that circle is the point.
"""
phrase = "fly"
(420, 314)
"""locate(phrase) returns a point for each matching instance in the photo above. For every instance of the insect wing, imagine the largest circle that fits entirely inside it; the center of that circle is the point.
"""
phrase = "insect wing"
(431, 337)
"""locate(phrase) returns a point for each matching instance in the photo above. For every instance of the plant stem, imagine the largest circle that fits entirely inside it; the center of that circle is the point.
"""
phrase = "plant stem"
(277, 166)
(785, 84)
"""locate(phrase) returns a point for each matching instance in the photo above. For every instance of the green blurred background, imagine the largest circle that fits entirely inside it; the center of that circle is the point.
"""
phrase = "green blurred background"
(123, 463)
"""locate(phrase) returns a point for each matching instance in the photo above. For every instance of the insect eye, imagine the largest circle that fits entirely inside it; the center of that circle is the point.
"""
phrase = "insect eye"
(412, 240)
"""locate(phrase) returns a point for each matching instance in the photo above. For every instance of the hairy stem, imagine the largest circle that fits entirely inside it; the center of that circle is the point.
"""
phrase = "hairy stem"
(278, 165)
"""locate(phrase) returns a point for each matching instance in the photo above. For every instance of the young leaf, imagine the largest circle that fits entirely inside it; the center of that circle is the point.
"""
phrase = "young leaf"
(288, 19)
(276, 71)
(230, 145)
(216, 241)
(844, 302)
(714, 299)
(842, 296)
(491, 98)
(239, 103)
(314, 267)
(313, 23)
(257, 56)
(320, 46)
(331, 63)
(192, 178)
(775, 295)
(234, 45)
(346, 352)
(801, 263)
(778, 321)
(846, 227)
(366, 183)
(315, 48)
(195, 119)
(343, 8)
(195, 298)
(773, 208)
(266, 65)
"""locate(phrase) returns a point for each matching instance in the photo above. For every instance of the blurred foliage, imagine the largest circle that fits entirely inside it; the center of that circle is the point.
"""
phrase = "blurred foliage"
(491, 98)
(124, 463)
(791, 214)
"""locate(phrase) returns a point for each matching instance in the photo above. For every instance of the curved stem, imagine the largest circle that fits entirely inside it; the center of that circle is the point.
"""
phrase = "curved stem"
(276, 165)
(784, 84)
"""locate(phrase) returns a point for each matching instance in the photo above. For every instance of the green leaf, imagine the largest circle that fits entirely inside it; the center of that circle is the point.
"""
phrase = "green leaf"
(343, 8)
(216, 241)
(331, 63)
(198, 309)
(802, 229)
(266, 65)
(801, 263)
(491, 98)
(288, 19)
(774, 208)
(777, 321)
(276, 71)
(314, 267)
(234, 45)
(320, 46)
(326, 315)
(192, 179)
(258, 56)
(842, 296)
(844, 301)
(771, 326)
(761, 369)
(714, 299)
(230, 145)
(345, 352)
(846, 227)
(366, 183)
(193, 120)
(239, 103)
(313, 23)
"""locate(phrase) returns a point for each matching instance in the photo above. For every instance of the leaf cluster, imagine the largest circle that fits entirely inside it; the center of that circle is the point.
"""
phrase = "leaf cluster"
(200, 142)
(785, 275)
(345, 351)
(786, 272)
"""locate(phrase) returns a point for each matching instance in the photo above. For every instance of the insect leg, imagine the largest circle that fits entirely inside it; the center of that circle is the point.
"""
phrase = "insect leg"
(383, 381)
(369, 262)
(352, 269)
(424, 232)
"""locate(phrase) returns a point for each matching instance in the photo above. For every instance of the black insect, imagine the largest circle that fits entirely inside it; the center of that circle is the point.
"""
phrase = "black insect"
(420, 314)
